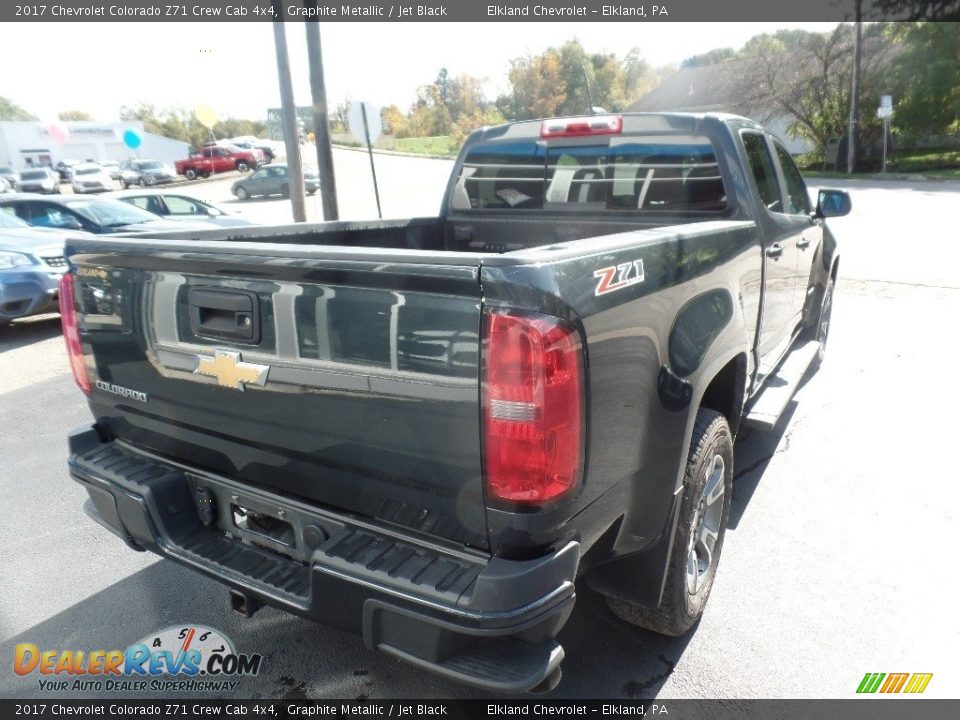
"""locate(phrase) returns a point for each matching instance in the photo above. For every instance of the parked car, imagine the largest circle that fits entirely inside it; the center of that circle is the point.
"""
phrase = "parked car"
(216, 159)
(38, 180)
(272, 180)
(5, 185)
(145, 173)
(177, 206)
(94, 215)
(112, 167)
(31, 263)
(64, 167)
(90, 178)
(10, 175)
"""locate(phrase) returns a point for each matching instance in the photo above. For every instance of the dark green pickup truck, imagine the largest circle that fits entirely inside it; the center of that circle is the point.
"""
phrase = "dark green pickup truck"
(429, 431)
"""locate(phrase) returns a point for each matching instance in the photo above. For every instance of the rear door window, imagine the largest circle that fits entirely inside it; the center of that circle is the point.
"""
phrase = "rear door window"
(669, 173)
(796, 187)
(762, 168)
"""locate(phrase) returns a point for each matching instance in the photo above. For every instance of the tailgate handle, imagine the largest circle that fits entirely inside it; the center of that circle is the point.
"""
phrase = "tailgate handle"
(225, 315)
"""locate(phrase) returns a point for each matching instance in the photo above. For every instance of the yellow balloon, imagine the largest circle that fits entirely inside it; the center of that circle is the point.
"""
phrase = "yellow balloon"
(206, 116)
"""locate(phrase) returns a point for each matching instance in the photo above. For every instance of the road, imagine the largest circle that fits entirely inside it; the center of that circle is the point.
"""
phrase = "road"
(836, 562)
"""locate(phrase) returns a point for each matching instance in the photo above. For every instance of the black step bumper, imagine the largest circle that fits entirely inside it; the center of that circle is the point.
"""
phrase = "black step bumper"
(485, 621)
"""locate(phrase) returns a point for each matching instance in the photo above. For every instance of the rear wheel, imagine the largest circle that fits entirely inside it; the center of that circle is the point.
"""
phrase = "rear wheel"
(190, 174)
(285, 190)
(698, 539)
(142, 182)
(241, 194)
(242, 166)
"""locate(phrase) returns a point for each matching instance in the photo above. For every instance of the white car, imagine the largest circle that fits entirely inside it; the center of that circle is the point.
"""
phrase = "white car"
(173, 205)
(90, 178)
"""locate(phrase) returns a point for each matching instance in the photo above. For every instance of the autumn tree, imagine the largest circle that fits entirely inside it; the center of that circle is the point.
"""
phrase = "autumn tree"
(67, 115)
(569, 81)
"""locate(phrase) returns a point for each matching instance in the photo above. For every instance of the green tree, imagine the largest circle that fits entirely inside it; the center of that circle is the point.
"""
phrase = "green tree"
(711, 57)
(74, 115)
(11, 111)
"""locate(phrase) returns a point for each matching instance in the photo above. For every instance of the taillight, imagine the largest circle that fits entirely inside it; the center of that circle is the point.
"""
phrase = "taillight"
(531, 408)
(71, 332)
(579, 126)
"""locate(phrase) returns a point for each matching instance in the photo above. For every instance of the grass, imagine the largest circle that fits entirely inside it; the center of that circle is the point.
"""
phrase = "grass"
(940, 163)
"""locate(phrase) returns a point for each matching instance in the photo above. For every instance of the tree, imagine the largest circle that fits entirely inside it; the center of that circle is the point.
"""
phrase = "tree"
(711, 57)
(74, 115)
(394, 121)
(925, 78)
(11, 111)
(807, 77)
(556, 82)
(181, 124)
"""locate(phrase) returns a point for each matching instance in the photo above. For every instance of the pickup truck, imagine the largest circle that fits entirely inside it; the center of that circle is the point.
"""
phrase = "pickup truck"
(431, 431)
(217, 159)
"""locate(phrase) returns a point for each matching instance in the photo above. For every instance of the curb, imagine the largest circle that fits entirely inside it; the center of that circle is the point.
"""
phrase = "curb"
(889, 177)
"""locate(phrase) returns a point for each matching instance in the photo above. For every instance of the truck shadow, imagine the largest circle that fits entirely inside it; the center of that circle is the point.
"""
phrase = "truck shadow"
(21, 333)
(304, 660)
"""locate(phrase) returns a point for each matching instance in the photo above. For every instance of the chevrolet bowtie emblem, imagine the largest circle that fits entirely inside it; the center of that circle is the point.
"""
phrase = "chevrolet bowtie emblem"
(230, 371)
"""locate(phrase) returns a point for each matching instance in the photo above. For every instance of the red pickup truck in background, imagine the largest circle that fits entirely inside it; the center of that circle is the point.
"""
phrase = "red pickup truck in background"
(218, 158)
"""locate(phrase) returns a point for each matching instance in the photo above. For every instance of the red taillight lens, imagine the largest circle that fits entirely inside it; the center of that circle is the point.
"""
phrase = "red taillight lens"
(584, 125)
(532, 408)
(71, 333)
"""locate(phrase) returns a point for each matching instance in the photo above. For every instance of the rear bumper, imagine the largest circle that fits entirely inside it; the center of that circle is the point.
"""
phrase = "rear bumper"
(484, 621)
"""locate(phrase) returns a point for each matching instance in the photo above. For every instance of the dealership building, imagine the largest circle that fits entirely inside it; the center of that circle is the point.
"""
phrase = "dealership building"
(36, 143)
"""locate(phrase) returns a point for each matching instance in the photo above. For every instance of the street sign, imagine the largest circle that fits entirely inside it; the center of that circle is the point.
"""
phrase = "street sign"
(360, 130)
(886, 101)
(884, 112)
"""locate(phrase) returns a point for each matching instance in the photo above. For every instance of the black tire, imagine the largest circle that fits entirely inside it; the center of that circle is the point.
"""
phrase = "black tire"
(285, 190)
(680, 607)
(821, 331)
(190, 174)
(123, 185)
(242, 166)
(241, 194)
(142, 182)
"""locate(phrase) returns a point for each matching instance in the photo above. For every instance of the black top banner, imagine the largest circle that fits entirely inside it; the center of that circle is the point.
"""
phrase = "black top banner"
(478, 11)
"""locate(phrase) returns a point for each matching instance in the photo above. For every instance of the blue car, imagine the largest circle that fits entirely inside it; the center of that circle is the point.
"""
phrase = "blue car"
(31, 263)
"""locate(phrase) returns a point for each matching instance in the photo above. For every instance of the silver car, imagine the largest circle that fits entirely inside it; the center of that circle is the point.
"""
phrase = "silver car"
(90, 178)
(172, 205)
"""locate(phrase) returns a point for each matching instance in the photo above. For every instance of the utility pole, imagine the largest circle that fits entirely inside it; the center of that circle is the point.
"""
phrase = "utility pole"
(321, 123)
(291, 138)
(853, 135)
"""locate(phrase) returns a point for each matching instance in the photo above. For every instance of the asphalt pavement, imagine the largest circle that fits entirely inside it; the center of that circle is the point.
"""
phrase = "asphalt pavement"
(837, 561)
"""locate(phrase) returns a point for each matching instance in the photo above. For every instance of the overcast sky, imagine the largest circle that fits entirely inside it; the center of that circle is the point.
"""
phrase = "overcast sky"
(97, 67)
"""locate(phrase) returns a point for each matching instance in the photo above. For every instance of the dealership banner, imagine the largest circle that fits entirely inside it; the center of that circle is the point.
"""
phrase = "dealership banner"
(476, 11)
(469, 709)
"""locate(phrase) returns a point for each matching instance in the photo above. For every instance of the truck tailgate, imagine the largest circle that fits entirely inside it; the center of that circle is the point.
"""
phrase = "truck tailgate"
(348, 378)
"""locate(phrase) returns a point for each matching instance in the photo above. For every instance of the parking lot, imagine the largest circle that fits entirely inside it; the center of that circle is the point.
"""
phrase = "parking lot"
(836, 562)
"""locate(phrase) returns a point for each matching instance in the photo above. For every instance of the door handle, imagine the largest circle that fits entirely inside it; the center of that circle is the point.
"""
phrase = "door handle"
(225, 314)
(775, 250)
(803, 242)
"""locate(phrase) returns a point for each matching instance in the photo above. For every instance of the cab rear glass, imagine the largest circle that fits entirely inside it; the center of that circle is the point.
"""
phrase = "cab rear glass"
(655, 173)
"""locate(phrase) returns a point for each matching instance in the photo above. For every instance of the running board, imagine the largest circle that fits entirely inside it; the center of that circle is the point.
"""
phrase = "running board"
(765, 411)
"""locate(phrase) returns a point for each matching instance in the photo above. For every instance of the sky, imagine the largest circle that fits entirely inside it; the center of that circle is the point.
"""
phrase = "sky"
(97, 67)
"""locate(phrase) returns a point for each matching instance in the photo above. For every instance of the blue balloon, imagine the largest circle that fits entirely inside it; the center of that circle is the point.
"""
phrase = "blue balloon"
(132, 139)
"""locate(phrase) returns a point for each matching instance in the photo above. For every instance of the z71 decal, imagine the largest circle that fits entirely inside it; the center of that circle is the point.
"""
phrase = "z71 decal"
(617, 277)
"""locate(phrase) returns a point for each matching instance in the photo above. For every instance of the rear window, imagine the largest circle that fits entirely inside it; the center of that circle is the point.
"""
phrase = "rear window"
(669, 173)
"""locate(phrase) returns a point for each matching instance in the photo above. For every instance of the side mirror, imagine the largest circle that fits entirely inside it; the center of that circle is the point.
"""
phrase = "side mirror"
(832, 203)
(214, 212)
